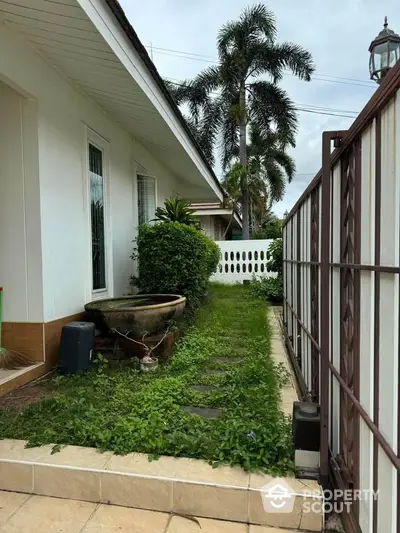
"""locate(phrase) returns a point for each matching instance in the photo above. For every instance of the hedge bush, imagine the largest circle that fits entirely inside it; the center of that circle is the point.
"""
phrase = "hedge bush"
(271, 288)
(175, 259)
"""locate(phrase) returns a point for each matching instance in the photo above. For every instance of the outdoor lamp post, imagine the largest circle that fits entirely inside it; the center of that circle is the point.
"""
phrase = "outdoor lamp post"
(385, 52)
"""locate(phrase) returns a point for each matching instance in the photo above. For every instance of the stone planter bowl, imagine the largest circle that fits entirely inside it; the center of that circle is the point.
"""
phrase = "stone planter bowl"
(138, 315)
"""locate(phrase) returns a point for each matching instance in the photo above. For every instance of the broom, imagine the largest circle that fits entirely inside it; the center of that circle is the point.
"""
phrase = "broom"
(10, 360)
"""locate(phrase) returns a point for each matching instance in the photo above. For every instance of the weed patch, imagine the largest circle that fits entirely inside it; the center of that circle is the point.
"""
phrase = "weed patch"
(125, 411)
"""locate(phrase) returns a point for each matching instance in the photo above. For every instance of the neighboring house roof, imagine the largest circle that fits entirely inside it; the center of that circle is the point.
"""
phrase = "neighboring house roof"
(133, 37)
(216, 209)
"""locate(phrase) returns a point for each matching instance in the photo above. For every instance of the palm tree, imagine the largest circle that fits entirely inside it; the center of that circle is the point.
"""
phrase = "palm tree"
(268, 158)
(257, 192)
(268, 169)
(224, 98)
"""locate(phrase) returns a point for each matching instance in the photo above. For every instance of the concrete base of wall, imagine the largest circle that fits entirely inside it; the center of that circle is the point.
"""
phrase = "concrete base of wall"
(13, 379)
(40, 342)
(173, 485)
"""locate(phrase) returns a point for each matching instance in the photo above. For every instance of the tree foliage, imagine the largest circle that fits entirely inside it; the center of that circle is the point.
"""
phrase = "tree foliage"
(243, 89)
(271, 228)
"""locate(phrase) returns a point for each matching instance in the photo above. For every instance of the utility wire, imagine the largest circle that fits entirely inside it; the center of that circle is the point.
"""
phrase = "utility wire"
(210, 60)
(323, 113)
(305, 107)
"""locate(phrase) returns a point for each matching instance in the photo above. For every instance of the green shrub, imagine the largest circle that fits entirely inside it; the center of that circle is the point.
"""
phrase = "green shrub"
(175, 258)
(213, 254)
(176, 210)
(275, 263)
(270, 289)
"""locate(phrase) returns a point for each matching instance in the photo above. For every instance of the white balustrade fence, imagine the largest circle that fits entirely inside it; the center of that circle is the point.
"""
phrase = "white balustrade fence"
(242, 260)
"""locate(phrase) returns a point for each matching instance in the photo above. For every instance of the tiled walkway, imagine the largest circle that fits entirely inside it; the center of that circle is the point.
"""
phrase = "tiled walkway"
(40, 514)
(289, 393)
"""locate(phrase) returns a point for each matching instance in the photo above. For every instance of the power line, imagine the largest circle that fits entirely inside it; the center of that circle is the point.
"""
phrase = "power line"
(210, 60)
(306, 108)
(323, 113)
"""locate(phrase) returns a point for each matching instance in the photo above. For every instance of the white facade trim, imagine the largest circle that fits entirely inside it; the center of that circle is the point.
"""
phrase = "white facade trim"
(116, 38)
(102, 144)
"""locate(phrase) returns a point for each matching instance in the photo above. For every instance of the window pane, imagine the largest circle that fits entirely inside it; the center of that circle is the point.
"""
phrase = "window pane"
(146, 186)
(97, 217)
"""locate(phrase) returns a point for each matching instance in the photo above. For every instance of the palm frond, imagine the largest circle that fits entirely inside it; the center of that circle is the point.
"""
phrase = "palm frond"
(260, 19)
(254, 23)
(205, 143)
(270, 109)
(275, 180)
(229, 145)
(209, 127)
(176, 210)
(293, 57)
(207, 80)
(180, 91)
(286, 162)
(261, 60)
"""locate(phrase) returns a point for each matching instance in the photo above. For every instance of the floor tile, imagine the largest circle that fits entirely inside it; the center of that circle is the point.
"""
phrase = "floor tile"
(49, 515)
(9, 503)
(113, 519)
(264, 529)
(179, 524)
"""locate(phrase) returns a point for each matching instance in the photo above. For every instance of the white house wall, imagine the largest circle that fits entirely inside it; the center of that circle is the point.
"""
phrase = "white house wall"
(120, 44)
(20, 258)
(64, 116)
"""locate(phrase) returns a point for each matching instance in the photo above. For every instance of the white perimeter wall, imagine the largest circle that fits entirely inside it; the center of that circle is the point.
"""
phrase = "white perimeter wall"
(64, 114)
(243, 260)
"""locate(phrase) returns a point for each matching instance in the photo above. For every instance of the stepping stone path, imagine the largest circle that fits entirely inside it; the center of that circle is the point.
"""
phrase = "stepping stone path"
(204, 388)
(205, 412)
(208, 412)
(230, 360)
(213, 372)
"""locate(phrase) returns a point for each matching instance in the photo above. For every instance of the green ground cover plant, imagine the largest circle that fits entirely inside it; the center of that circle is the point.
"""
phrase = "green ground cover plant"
(119, 409)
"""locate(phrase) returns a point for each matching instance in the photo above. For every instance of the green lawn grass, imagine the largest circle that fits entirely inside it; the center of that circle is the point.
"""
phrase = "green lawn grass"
(126, 411)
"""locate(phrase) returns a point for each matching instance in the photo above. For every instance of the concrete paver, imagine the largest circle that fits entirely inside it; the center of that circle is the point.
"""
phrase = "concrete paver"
(278, 353)
(39, 514)
(179, 524)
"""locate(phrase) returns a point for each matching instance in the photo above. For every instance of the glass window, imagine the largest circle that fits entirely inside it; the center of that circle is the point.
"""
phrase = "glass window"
(96, 179)
(146, 187)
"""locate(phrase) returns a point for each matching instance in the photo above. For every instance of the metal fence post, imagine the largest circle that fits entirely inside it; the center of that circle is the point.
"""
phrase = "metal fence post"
(325, 305)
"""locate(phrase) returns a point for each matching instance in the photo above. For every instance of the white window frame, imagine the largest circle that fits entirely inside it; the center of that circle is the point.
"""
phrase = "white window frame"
(103, 145)
(141, 174)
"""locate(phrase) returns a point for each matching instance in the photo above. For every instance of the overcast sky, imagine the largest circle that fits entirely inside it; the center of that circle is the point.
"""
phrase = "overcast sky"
(337, 34)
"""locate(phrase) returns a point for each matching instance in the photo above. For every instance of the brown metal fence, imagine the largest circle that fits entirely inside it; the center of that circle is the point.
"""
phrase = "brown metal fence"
(341, 307)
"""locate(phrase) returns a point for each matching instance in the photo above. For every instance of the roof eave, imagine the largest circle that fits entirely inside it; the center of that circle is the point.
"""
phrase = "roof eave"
(120, 16)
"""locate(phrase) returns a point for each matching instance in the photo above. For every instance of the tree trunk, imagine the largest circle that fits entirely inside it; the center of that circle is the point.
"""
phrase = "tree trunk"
(243, 159)
(228, 227)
